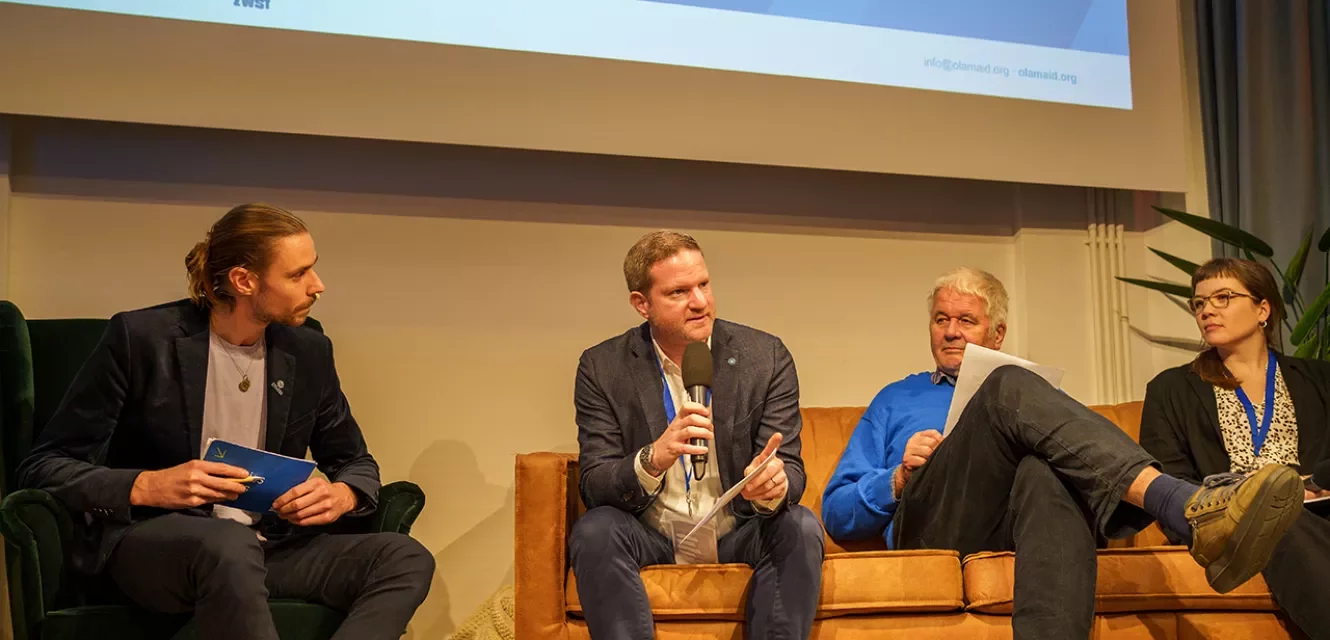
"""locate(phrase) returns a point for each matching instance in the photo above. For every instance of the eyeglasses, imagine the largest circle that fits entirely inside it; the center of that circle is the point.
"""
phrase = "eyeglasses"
(1220, 300)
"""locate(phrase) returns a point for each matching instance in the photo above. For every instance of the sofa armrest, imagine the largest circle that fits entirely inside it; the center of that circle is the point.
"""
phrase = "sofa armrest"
(400, 503)
(546, 505)
(36, 528)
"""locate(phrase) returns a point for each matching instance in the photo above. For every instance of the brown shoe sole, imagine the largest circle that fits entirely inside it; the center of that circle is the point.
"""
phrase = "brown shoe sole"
(1272, 512)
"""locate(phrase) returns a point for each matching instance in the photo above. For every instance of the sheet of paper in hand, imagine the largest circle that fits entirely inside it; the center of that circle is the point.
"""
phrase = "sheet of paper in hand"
(979, 362)
(271, 474)
(729, 495)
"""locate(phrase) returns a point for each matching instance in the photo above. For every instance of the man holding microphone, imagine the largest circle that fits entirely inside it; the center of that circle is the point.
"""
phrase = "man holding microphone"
(637, 433)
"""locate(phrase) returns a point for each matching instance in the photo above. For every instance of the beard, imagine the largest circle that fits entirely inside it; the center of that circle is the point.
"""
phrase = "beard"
(264, 314)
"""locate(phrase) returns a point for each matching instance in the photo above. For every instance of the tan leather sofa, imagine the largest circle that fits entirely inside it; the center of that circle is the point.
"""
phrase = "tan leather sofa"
(1145, 590)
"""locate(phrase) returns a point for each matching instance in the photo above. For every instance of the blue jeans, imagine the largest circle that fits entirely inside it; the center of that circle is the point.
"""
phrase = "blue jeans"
(608, 546)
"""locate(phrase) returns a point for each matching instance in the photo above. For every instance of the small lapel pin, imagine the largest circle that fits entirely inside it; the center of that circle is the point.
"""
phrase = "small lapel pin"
(278, 387)
(731, 361)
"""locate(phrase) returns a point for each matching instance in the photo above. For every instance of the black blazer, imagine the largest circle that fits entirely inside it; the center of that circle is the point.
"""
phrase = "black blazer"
(618, 395)
(1180, 420)
(137, 404)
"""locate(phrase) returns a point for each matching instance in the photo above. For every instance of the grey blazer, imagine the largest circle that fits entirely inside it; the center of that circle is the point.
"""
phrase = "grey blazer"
(620, 409)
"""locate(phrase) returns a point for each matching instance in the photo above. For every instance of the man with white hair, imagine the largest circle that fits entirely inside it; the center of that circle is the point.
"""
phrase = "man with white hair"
(1028, 469)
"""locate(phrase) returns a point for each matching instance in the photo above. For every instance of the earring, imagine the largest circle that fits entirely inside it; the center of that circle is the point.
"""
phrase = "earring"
(1263, 324)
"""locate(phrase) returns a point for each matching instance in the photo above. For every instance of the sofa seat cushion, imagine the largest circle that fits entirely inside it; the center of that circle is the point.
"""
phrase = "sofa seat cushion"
(1236, 626)
(852, 583)
(1129, 580)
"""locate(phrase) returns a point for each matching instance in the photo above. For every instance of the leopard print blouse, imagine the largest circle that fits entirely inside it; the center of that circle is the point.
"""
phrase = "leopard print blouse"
(1281, 443)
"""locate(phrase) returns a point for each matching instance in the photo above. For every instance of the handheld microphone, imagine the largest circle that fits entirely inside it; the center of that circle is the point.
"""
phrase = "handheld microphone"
(697, 373)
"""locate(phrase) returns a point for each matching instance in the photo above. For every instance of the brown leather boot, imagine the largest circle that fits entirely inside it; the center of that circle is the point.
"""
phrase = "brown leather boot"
(1236, 521)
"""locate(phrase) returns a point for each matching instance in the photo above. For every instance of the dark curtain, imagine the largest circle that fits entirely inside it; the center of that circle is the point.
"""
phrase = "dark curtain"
(1265, 105)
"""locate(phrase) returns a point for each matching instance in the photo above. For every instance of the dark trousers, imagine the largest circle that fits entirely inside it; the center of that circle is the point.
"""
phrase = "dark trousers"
(608, 546)
(219, 570)
(1298, 574)
(1028, 469)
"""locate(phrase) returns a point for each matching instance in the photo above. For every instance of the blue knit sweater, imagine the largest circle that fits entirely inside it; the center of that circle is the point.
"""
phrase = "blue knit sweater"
(857, 503)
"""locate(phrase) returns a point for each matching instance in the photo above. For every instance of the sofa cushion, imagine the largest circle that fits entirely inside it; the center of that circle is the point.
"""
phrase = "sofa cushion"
(1236, 626)
(825, 432)
(852, 583)
(1129, 580)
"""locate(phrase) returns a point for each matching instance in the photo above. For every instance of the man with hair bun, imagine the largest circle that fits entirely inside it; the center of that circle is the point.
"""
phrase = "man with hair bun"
(1028, 469)
(232, 362)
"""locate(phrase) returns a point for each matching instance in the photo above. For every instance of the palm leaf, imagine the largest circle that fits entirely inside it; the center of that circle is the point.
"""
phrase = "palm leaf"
(1310, 348)
(1293, 275)
(1310, 317)
(1188, 267)
(1227, 234)
(1171, 288)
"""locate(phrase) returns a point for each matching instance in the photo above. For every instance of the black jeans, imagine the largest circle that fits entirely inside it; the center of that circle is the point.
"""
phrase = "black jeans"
(608, 546)
(1028, 469)
(1298, 574)
(219, 570)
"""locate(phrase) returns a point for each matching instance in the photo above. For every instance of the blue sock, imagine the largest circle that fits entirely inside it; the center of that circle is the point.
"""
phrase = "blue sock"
(1166, 500)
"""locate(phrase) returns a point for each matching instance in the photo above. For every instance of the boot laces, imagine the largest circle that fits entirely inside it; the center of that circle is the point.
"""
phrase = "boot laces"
(1218, 488)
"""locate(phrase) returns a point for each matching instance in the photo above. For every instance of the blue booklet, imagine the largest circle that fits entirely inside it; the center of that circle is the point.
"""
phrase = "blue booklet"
(271, 474)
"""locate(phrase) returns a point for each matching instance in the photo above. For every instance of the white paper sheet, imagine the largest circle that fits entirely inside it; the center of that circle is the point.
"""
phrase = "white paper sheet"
(978, 363)
(729, 495)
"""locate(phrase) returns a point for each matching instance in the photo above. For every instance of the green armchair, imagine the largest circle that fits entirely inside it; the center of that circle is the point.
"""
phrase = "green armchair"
(47, 599)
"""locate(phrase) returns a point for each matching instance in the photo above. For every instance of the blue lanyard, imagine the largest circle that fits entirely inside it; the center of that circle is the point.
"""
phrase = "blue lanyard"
(669, 417)
(1258, 434)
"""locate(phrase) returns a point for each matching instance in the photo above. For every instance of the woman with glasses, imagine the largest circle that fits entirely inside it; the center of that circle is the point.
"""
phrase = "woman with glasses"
(1241, 405)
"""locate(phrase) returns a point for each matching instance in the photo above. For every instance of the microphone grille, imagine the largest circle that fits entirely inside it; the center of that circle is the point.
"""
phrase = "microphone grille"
(697, 366)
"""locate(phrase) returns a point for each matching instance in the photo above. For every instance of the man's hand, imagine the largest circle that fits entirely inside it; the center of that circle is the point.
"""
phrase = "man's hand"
(192, 484)
(693, 421)
(918, 449)
(770, 484)
(314, 502)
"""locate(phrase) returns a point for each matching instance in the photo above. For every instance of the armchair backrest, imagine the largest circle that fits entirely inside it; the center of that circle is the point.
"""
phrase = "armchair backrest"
(58, 350)
(17, 395)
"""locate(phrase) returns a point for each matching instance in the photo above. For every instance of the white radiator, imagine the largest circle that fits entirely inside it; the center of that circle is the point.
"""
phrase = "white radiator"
(1109, 324)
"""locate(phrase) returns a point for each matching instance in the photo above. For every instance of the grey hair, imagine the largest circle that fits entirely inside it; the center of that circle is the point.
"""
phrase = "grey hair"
(978, 283)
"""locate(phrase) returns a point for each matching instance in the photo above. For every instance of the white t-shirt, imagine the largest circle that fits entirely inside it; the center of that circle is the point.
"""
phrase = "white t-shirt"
(231, 414)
